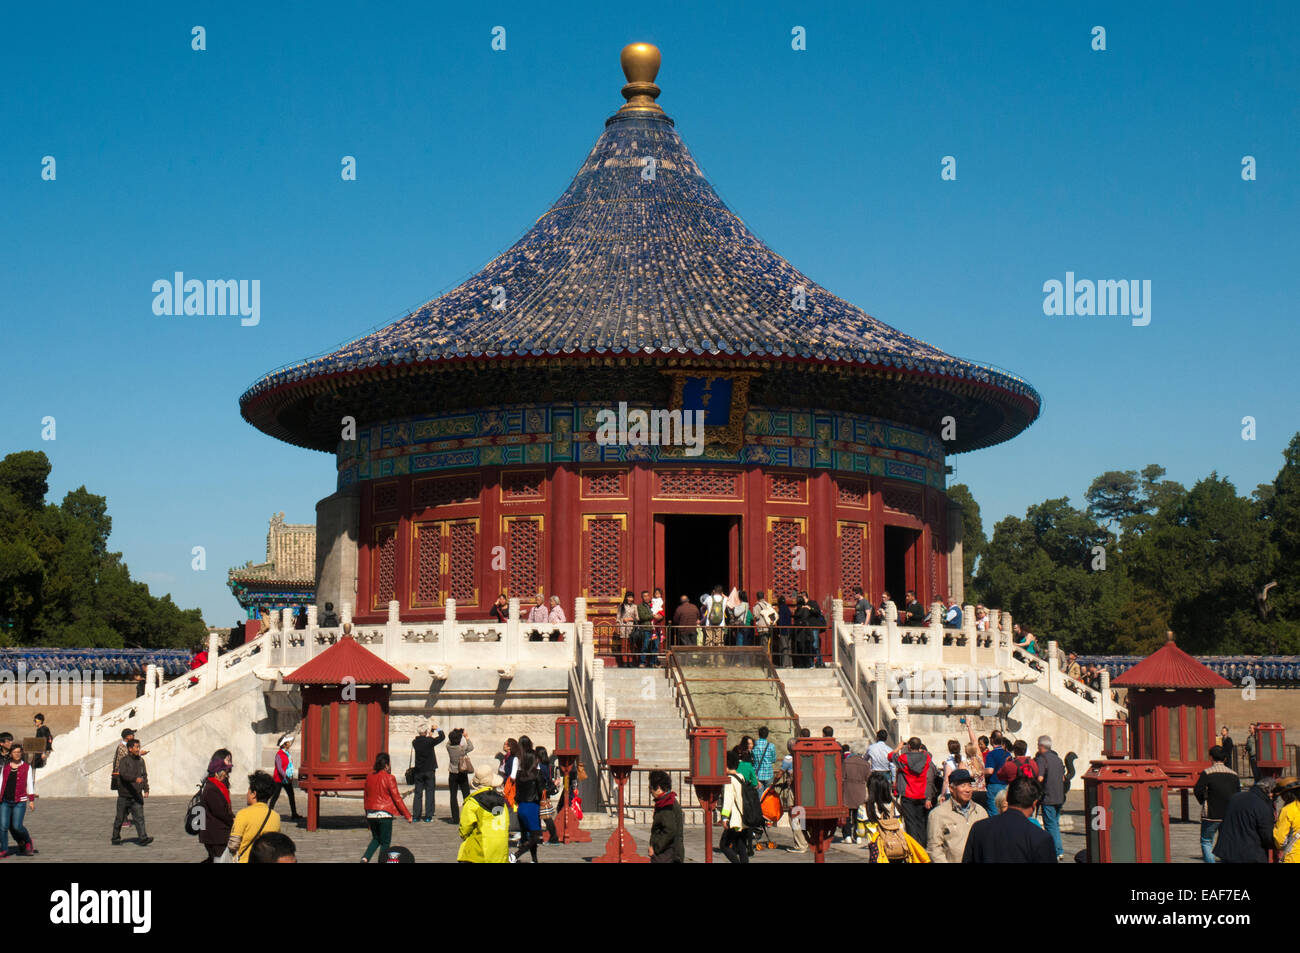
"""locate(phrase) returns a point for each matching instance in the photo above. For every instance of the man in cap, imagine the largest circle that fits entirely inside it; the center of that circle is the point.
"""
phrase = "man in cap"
(949, 824)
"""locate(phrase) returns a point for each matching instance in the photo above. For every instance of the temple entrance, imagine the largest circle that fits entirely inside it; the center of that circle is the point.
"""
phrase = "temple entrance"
(697, 554)
(900, 563)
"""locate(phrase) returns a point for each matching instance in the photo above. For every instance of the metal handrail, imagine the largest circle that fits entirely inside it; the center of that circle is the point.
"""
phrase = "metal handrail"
(673, 672)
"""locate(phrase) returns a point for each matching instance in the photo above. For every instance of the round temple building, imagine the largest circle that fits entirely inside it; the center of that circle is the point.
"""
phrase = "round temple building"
(534, 428)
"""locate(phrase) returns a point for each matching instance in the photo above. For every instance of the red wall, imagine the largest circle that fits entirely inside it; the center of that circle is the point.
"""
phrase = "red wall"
(554, 524)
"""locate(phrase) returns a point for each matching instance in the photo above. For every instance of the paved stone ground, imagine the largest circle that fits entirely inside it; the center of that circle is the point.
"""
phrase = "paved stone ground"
(76, 830)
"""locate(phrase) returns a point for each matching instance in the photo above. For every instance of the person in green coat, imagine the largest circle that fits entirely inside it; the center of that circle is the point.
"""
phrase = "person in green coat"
(485, 822)
(667, 832)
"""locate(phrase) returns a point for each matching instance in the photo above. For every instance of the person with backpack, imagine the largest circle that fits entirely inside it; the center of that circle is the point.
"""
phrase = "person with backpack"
(714, 614)
(741, 619)
(916, 784)
(783, 645)
(667, 831)
(733, 844)
(1019, 765)
(212, 816)
(484, 822)
(889, 843)
(994, 759)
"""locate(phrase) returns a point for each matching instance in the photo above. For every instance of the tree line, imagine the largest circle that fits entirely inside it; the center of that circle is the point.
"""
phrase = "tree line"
(1145, 555)
(59, 584)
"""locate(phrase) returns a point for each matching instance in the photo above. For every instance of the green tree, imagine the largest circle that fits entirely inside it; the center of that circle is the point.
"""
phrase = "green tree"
(59, 583)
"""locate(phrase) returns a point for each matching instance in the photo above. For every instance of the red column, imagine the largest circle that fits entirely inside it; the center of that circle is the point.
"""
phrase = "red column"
(641, 531)
(753, 531)
(564, 536)
(823, 560)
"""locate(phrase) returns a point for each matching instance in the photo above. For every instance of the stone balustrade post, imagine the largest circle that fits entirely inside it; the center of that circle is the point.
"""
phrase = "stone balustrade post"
(1055, 684)
(308, 637)
(936, 628)
(151, 690)
(514, 629)
(893, 638)
(1107, 706)
(597, 700)
(859, 654)
(345, 614)
(882, 691)
(209, 681)
(904, 721)
(837, 622)
(448, 637)
(579, 610)
(83, 721)
(392, 631)
(969, 634)
(588, 647)
(286, 623)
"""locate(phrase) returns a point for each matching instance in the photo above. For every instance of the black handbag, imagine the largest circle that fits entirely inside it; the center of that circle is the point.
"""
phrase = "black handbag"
(410, 770)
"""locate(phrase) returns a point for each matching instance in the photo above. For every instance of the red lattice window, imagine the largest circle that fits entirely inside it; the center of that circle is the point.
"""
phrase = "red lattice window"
(445, 491)
(462, 569)
(853, 550)
(604, 483)
(385, 497)
(529, 485)
(605, 558)
(902, 500)
(854, 493)
(428, 564)
(697, 483)
(523, 565)
(789, 560)
(385, 563)
(785, 488)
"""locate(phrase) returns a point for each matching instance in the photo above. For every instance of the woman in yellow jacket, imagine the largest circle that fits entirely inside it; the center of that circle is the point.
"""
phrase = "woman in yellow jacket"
(484, 822)
(734, 844)
(1286, 832)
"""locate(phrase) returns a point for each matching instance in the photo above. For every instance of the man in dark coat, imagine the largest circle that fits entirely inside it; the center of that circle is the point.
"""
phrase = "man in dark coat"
(857, 772)
(424, 764)
(1051, 775)
(1011, 837)
(1246, 834)
(132, 789)
(686, 617)
(1215, 787)
(667, 832)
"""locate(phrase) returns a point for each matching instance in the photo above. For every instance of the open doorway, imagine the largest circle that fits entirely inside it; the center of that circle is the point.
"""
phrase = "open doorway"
(900, 563)
(697, 555)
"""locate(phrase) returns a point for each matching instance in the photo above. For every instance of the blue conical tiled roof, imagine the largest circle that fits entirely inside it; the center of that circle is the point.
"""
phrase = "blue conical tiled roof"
(639, 257)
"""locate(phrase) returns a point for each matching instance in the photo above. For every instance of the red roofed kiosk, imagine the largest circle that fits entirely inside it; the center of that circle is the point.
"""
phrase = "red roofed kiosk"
(345, 694)
(1171, 713)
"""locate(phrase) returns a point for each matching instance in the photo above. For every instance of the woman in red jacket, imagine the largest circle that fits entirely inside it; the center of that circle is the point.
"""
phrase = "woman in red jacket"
(382, 803)
(17, 791)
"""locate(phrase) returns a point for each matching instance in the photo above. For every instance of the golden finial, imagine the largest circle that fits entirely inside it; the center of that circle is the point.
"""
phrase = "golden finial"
(640, 63)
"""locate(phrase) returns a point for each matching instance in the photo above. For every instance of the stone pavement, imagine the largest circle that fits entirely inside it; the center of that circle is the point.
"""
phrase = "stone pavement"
(76, 830)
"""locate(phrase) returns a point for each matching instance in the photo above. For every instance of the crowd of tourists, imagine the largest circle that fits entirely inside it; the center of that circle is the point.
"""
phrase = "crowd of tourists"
(791, 628)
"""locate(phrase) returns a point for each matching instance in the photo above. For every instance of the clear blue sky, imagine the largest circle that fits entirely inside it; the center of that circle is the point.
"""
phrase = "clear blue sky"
(225, 163)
